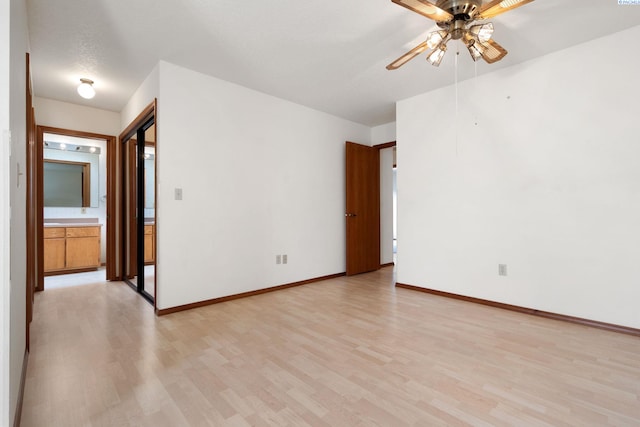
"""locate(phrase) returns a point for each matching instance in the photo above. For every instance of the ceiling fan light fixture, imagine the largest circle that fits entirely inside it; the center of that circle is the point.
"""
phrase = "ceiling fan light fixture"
(475, 50)
(456, 19)
(482, 32)
(435, 57)
(435, 38)
(85, 89)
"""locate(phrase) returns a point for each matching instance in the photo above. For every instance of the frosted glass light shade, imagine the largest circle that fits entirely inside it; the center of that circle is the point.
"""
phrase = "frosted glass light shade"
(475, 49)
(435, 57)
(435, 38)
(86, 89)
(482, 32)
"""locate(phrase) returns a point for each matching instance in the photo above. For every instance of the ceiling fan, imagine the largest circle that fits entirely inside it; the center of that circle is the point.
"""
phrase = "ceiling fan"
(457, 20)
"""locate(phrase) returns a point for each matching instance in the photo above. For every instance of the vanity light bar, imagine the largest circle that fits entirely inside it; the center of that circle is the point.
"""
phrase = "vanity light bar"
(71, 147)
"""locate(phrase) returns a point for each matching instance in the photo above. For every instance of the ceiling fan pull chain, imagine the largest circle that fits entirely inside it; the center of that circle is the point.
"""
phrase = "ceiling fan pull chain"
(475, 83)
(455, 74)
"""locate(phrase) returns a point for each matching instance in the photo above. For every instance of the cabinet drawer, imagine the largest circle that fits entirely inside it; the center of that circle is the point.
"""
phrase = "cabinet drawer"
(83, 231)
(53, 232)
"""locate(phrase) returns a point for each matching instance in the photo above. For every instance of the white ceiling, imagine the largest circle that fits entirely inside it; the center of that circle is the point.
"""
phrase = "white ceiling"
(327, 55)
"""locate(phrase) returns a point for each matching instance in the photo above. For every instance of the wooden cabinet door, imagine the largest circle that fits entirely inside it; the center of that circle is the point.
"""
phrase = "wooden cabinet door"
(54, 254)
(83, 252)
(149, 250)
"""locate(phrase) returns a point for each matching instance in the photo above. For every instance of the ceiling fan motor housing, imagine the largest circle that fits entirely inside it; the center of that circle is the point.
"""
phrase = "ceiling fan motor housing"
(462, 10)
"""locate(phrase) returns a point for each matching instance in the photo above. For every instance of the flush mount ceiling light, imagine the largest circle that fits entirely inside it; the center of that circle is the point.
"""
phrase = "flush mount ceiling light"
(457, 20)
(85, 89)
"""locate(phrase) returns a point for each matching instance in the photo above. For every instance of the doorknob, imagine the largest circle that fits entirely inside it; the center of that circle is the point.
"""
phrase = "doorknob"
(349, 214)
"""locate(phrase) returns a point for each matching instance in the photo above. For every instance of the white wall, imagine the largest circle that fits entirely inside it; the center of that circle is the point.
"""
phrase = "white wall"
(380, 135)
(50, 112)
(5, 259)
(19, 45)
(383, 133)
(260, 177)
(142, 97)
(542, 174)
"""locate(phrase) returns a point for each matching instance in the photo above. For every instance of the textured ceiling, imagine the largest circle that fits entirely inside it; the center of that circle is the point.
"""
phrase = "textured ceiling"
(330, 56)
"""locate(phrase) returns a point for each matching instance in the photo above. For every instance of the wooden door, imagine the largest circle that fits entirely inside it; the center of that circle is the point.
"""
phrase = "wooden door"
(362, 208)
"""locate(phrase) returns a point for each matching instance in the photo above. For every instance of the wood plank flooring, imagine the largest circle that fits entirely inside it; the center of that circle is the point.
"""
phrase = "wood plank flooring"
(350, 351)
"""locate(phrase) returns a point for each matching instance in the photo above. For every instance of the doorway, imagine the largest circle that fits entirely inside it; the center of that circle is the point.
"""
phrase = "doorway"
(138, 202)
(74, 225)
(370, 207)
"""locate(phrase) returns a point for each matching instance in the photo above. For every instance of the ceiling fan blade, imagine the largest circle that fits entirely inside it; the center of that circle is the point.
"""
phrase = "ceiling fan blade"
(496, 7)
(424, 8)
(493, 52)
(408, 56)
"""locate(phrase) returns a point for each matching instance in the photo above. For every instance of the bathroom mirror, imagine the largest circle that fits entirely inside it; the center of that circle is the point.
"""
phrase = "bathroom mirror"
(70, 175)
(67, 184)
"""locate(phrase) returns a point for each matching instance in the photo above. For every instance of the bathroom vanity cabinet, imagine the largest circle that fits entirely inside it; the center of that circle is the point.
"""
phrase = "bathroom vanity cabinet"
(71, 248)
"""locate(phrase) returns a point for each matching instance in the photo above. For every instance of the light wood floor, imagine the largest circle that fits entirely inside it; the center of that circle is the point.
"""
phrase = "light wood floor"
(344, 352)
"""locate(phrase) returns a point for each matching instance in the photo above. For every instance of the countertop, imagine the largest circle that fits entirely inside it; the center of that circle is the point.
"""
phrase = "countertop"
(71, 224)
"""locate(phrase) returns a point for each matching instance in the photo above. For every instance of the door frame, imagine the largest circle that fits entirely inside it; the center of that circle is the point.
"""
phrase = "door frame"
(148, 113)
(391, 144)
(378, 147)
(32, 207)
(111, 195)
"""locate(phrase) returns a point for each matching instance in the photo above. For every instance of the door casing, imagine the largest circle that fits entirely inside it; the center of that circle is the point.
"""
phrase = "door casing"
(110, 232)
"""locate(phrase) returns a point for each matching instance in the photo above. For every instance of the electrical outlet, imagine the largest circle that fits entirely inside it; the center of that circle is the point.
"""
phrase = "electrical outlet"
(284, 259)
(278, 259)
(502, 269)
(83, 210)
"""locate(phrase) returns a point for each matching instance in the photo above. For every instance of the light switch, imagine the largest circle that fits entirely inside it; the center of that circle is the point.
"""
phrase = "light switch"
(502, 269)
(178, 194)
